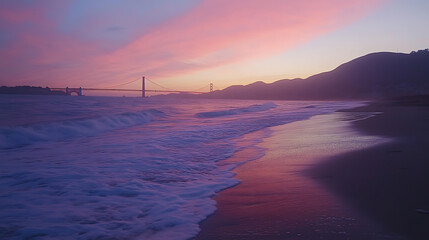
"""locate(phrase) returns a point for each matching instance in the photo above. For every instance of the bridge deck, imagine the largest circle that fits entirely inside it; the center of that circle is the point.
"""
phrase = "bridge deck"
(124, 90)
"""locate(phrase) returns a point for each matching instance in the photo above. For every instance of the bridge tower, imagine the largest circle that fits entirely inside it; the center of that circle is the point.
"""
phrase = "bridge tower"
(78, 91)
(143, 88)
(211, 87)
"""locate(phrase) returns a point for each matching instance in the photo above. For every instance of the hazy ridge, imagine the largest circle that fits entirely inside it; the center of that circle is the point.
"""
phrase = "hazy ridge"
(376, 75)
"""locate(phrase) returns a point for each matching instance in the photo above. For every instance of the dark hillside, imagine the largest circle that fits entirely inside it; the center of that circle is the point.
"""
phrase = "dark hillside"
(376, 75)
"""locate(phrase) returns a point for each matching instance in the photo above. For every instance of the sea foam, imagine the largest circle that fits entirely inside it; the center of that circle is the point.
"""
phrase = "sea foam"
(143, 174)
(17, 136)
(237, 111)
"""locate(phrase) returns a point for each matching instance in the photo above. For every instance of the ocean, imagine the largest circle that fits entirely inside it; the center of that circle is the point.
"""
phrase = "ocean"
(126, 168)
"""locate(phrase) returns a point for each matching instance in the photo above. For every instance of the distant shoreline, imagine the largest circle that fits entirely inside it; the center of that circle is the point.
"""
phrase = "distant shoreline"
(29, 90)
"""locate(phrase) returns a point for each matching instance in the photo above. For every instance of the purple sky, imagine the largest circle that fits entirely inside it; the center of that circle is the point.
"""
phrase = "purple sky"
(188, 43)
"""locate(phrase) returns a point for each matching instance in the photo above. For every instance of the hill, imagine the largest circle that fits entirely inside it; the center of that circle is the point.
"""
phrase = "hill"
(376, 75)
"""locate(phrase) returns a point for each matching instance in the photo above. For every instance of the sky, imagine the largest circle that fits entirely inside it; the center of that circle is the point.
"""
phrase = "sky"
(186, 44)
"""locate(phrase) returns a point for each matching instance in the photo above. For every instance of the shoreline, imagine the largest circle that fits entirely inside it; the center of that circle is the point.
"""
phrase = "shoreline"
(277, 199)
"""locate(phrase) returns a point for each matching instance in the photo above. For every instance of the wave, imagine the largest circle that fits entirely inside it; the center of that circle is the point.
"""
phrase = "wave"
(310, 106)
(150, 183)
(12, 137)
(237, 111)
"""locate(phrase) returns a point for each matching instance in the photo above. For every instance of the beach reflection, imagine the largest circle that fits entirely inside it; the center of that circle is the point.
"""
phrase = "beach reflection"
(277, 200)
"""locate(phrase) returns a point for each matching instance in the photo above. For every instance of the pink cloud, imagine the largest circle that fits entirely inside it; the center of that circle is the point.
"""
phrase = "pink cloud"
(36, 53)
(218, 32)
(214, 33)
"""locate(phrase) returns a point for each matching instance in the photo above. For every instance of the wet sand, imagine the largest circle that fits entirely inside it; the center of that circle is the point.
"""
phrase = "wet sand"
(388, 183)
(289, 192)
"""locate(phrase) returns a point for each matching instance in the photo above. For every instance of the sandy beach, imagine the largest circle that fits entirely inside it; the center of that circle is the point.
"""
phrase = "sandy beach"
(335, 176)
(389, 182)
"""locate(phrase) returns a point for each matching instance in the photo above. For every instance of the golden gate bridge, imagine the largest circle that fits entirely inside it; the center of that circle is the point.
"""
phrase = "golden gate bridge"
(143, 90)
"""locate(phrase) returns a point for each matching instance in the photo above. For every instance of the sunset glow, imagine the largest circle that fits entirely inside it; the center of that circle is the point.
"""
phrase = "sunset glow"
(214, 119)
(96, 44)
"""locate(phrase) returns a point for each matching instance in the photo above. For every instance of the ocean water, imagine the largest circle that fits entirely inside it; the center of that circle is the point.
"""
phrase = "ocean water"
(125, 168)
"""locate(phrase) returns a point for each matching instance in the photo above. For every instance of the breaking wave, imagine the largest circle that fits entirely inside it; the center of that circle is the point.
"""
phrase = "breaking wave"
(153, 182)
(237, 111)
(12, 137)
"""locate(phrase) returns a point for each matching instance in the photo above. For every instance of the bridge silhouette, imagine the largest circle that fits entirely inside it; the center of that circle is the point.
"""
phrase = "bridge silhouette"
(79, 91)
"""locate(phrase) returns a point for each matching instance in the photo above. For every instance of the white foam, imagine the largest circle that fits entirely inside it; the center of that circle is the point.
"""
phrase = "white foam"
(236, 111)
(137, 182)
(17, 136)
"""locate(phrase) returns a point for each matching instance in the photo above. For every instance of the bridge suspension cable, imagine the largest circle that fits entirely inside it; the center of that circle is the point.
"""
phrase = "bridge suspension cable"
(201, 88)
(122, 84)
(159, 85)
(143, 89)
